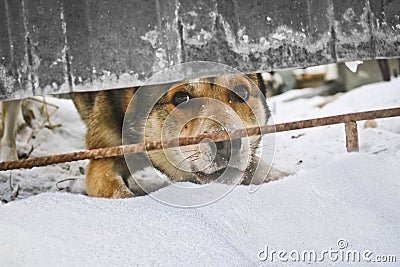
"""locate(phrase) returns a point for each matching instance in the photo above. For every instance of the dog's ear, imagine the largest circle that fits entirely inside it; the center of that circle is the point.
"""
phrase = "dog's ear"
(259, 81)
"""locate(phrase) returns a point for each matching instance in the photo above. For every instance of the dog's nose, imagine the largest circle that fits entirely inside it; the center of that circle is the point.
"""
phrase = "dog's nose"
(225, 148)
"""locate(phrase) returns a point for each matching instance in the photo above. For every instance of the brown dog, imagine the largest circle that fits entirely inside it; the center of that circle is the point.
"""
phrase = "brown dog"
(104, 112)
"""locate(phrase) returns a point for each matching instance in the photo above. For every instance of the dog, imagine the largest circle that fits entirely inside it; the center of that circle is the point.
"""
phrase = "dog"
(17, 114)
(186, 106)
(10, 113)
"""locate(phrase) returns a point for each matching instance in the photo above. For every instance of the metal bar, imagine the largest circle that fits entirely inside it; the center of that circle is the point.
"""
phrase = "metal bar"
(216, 137)
(351, 136)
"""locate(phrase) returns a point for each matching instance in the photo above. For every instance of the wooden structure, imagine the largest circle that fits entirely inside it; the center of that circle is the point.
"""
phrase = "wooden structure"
(58, 46)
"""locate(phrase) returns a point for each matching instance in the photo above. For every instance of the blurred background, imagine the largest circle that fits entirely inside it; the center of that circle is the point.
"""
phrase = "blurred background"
(332, 78)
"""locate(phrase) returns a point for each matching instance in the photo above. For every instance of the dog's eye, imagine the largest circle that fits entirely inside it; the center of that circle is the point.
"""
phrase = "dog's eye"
(180, 98)
(241, 93)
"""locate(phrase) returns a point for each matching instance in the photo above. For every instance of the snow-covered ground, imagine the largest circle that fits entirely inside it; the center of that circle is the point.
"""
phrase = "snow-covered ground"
(69, 137)
(332, 197)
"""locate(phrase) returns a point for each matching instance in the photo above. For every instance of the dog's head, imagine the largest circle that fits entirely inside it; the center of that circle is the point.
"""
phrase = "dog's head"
(195, 107)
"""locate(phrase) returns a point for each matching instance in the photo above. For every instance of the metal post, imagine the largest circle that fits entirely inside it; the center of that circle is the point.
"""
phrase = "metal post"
(351, 136)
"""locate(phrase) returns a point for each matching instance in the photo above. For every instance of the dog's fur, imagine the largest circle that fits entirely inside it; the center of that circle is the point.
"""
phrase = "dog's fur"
(104, 111)
(10, 112)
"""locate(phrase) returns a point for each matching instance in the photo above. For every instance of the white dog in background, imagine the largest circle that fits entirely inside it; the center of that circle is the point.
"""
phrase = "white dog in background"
(15, 115)
(10, 113)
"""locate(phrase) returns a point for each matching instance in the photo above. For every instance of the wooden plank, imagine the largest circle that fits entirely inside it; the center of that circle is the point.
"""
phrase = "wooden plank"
(352, 25)
(47, 45)
(78, 53)
(6, 68)
(124, 43)
(386, 27)
(19, 66)
(289, 30)
(56, 46)
(200, 32)
(321, 38)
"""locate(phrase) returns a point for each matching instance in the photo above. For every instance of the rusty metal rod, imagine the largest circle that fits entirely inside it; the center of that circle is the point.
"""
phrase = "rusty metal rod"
(216, 137)
(351, 136)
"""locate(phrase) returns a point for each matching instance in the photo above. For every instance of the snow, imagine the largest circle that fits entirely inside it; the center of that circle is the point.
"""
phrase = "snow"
(331, 195)
(69, 137)
(353, 65)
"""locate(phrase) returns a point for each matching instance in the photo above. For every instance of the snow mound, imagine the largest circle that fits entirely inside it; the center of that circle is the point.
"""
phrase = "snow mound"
(307, 211)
